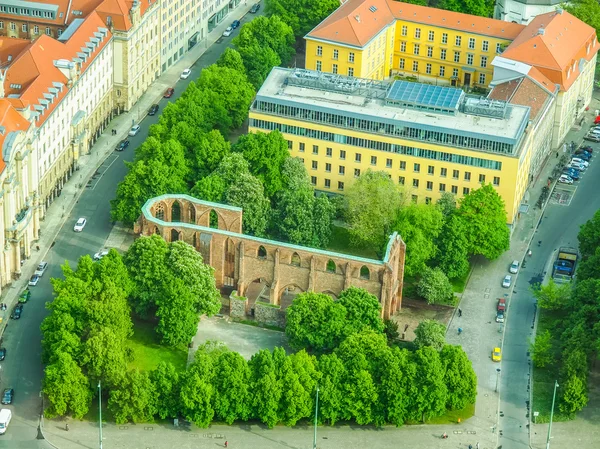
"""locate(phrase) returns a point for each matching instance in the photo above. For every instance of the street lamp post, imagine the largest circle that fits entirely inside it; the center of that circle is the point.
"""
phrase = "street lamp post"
(100, 410)
(551, 415)
(316, 416)
(497, 378)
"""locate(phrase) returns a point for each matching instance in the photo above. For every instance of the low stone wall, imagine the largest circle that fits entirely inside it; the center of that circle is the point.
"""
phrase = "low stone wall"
(237, 305)
(270, 314)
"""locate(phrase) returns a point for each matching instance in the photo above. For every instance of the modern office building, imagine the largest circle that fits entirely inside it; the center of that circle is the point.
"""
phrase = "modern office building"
(429, 139)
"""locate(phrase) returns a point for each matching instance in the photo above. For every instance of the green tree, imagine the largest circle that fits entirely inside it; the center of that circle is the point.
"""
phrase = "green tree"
(363, 311)
(541, 350)
(296, 402)
(391, 330)
(589, 233)
(419, 225)
(265, 153)
(210, 188)
(165, 379)
(373, 204)
(230, 58)
(552, 296)
(459, 377)
(483, 8)
(447, 204)
(396, 385)
(575, 396)
(104, 356)
(484, 218)
(134, 399)
(589, 267)
(232, 394)
(178, 318)
(332, 407)
(197, 391)
(301, 15)
(434, 286)
(66, 388)
(267, 32)
(314, 322)
(430, 333)
(248, 193)
(258, 62)
(430, 391)
(266, 388)
(323, 215)
(575, 363)
(206, 154)
(232, 87)
(453, 248)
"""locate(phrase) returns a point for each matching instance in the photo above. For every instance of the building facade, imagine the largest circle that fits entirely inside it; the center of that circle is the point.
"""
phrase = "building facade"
(27, 19)
(523, 11)
(181, 28)
(381, 38)
(429, 139)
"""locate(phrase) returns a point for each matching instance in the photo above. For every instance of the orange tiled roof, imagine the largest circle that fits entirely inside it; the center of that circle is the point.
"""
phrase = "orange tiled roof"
(554, 43)
(33, 72)
(66, 12)
(11, 48)
(10, 121)
(344, 27)
(118, 11)
(522, 91)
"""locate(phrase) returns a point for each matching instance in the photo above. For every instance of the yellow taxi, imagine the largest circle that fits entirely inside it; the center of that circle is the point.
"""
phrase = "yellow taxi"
(496, 355)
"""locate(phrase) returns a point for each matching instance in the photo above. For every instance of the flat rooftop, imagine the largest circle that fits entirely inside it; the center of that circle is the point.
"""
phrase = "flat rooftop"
(399, 103)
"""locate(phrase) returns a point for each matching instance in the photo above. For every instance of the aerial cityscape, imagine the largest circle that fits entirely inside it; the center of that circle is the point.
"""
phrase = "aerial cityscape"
(299, 223)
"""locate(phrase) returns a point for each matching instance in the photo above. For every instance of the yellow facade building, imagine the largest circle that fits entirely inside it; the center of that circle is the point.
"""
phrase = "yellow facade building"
(379, 38)
(429, 139)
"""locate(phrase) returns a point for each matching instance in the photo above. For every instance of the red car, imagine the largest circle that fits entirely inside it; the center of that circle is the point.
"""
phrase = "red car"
(169, 92)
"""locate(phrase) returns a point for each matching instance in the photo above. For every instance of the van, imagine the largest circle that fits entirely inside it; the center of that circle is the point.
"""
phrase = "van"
(5, 417)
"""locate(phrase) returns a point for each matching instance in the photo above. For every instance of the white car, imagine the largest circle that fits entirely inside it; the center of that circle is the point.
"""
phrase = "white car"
(34, 280)
(100, 254)
(41, 268)
(507, 281)
(580, 161)
(134, 130)
(577, 166)
(228, 32)
(80, 225)
(185, 74)
(565, 179)
(514, 267)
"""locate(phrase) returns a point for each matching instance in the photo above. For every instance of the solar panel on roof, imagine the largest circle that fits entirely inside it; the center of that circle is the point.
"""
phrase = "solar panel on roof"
(424, 94)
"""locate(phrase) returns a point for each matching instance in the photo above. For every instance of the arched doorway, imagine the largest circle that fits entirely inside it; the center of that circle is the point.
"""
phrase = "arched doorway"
(191, 214)
(258, 290)
(176, 212)
(175, 235)
(287, 295)
(214, 219)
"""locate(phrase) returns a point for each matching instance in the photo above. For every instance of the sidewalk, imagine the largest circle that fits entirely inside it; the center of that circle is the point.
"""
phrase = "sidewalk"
(479, 298)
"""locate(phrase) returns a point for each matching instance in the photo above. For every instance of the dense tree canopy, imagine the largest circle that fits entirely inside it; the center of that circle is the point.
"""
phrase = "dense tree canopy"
(301, 15)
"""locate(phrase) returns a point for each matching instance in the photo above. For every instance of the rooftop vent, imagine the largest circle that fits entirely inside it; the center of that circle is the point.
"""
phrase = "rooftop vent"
(357, 17)
(373, 8)
(541, 31)
(559, 10)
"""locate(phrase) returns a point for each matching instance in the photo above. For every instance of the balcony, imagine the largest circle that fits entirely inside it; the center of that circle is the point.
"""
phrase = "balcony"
(19, 225)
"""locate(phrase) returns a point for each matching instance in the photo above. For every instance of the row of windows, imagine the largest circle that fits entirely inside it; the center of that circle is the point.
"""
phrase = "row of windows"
(400, 131)
(334, 68)
(27, 12)
(36, 29)
(429, 70)
(485, 45)
(469, 60)
(376, 145)
(335, 54)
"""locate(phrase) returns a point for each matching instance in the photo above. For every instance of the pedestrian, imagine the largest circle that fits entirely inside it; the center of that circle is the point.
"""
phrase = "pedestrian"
(557, 154)
(459, 312)
(477, 445)
(460, 332)
(226, 443)
(470, 446)
(67, 426)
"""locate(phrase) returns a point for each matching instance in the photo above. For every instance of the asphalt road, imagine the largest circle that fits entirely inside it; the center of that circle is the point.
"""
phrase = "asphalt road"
(558, 227)
(22, 369)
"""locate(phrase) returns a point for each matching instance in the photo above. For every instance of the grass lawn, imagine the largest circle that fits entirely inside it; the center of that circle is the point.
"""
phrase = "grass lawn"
(543, 378)
(452, 417)
(458, 285)
(148, 352)
(340, 242)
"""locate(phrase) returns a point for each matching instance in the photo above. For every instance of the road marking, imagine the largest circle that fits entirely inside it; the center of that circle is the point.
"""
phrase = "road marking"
(102, 174)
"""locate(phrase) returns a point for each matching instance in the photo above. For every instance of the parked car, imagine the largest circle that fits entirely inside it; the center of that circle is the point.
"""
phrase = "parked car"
(80, 225)
(507, 281)
(587, 148)
(514, 267)
(573, 173)
(235, 24)
(185, 74)
(169, 92)
(33, 280)
(122, 145)
(227, 32)
(153, 109)
(8, 396)
(100, 254)
(134, 130)
(2, 353)
(25, 295)
(501, 306)
(497, 355)
(583, 155)
(592, 137)
(565, 179)
(17, 311)
(580, 161)
(255, 8)
(499, 317)
(41, 268)
(576, 166)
